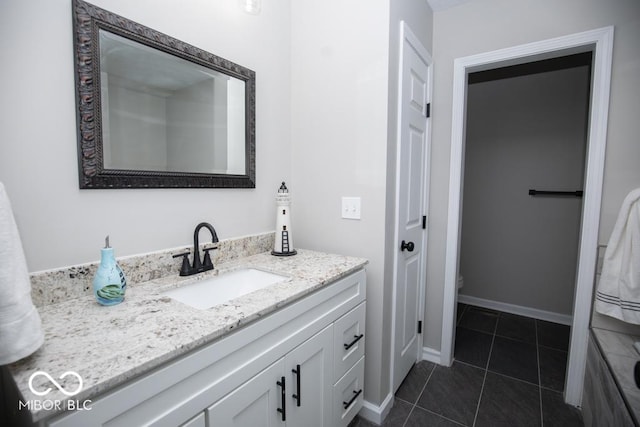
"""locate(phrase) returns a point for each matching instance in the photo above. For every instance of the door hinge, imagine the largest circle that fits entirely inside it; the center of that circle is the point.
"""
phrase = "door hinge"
(424, 222)
(427, 112)
(419, 326)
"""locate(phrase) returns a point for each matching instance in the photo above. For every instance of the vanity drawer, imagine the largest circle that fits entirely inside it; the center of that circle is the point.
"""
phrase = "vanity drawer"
(348, 340)
(348, 395)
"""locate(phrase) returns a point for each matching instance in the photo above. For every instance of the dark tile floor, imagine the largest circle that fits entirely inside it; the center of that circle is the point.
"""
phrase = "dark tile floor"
(508, 371)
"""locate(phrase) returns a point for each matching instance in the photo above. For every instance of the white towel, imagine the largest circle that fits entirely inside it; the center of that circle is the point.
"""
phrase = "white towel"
(20, 326)
(618, 293)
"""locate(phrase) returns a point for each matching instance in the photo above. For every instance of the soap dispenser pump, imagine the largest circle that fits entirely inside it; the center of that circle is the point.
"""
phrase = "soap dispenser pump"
(109, 283)
(283, 243)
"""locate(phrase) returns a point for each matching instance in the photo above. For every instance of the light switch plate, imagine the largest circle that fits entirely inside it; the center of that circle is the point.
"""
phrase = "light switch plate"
(351, 207)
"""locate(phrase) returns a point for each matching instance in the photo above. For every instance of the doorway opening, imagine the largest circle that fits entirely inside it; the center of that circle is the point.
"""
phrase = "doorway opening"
(525, 146)
(526, 133)
(599, 43)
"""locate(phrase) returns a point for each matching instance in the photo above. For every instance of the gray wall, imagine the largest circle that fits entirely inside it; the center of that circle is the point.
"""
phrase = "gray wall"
(483, 26)
(524, 132)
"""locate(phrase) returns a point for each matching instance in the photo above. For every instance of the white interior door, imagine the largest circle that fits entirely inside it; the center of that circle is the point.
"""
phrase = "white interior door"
(411, 174)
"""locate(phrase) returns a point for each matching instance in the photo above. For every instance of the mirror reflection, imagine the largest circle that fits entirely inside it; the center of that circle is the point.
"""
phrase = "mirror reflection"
(163, 113)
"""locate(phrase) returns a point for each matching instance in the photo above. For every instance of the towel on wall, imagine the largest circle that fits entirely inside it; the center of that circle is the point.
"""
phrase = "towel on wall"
(618, 293)
(20, 327)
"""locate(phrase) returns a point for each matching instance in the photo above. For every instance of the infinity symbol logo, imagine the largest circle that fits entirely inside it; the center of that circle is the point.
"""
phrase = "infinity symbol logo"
(58, 386)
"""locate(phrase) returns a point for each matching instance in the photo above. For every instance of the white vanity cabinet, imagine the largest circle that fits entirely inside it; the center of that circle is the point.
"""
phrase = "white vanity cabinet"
(255, 403)
(292, 391)
(302, 365)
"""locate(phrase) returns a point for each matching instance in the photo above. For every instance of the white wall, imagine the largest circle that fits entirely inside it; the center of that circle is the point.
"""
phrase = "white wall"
(61, 225)
(482, 26)
(524, 132)
(339, 125)
(344, 71)
(196, 117)
(130, 111)
(235, 126)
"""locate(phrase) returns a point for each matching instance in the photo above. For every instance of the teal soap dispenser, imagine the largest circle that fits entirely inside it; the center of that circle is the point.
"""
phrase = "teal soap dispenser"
(109, 282)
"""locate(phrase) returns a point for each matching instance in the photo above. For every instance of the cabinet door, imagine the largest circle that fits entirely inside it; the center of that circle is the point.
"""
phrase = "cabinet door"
(309, 395)
(258, 402)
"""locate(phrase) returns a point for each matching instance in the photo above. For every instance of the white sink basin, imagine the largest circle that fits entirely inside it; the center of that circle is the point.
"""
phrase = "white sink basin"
(220, 289)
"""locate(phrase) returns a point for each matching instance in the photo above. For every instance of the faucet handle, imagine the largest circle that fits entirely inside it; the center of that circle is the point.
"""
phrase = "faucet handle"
(185, 270)
(207, 264)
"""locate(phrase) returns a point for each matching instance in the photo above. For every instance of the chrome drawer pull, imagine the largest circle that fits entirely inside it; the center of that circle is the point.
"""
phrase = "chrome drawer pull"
(352, 343)
(347, 404)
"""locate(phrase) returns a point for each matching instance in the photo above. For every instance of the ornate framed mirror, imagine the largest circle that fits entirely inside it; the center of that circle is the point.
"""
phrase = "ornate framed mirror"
(155, 112)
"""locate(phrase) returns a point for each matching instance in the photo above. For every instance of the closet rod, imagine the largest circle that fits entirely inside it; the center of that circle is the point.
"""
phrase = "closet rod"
(555, 193)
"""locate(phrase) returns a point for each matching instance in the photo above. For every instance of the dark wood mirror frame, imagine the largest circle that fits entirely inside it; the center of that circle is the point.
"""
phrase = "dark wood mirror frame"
(87, 21)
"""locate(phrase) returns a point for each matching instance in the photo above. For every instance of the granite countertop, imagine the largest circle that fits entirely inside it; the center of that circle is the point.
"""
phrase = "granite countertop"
(621, 356)
(108, 346)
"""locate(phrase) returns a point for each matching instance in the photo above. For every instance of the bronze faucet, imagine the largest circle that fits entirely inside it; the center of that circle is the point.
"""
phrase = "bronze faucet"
(198, 266)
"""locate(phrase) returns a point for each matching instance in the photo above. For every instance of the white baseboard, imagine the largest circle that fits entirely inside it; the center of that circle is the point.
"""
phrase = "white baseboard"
(516, 309)
(431, 355)
(374, 413)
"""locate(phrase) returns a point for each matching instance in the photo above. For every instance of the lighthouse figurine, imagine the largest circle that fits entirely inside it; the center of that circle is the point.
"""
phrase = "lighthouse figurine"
(284, 243)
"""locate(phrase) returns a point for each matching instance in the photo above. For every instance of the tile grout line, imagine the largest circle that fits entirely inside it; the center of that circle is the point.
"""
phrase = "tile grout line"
(464, 309)
(442, 416)
(486, 371)
(428, 410)
(413, 406)
(535, 323)
(406, 420)
(538, 347)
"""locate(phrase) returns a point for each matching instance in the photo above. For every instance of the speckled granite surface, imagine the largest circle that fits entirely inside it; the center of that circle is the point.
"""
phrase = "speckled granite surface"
(621, 357)
(54, 286)
(110, 345)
